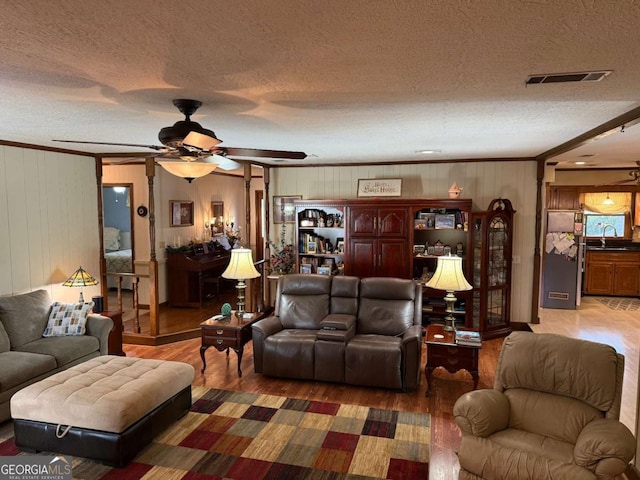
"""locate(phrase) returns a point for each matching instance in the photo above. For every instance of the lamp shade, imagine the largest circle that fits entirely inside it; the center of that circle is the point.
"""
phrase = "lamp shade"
(240, 265)
(80, 278)
(449, 275)
(188, 170)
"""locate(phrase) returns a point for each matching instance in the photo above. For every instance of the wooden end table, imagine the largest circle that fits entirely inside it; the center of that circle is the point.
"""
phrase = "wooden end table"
(443, 351)
(224, 333)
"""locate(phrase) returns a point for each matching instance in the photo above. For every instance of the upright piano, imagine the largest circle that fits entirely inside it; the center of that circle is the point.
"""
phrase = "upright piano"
(186, 274)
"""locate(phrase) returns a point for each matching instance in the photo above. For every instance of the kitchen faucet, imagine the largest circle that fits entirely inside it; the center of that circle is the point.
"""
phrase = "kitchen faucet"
(604, 229)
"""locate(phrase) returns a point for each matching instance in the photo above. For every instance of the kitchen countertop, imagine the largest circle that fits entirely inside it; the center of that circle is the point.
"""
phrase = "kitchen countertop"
(614, 248)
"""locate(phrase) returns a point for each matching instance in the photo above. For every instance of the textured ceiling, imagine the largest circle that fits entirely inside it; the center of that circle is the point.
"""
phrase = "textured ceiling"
(344, 81)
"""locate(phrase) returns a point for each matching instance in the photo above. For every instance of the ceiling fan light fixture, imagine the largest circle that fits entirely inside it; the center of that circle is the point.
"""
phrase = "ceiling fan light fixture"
(188, 170)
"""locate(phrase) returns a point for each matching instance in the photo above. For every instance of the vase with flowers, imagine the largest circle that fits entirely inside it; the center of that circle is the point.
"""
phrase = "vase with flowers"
(283, 257)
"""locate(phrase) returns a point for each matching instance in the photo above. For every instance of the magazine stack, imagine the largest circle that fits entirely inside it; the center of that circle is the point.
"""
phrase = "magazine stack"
(468, 338)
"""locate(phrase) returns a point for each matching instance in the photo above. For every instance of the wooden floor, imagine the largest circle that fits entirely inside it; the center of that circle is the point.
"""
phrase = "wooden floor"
(591, 321)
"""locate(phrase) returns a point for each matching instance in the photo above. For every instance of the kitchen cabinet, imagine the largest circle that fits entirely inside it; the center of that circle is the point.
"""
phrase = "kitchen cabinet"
(563, 198)
(612, 273)
(491, 278)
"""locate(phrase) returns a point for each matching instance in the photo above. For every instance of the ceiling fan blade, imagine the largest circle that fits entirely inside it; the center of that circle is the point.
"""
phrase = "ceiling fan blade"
(199, 142)
(619, 182)
(153, 147)
(223, 162)
(258, 153)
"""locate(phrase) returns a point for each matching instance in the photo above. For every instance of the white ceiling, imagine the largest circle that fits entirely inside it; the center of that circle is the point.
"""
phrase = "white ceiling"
(344, 81)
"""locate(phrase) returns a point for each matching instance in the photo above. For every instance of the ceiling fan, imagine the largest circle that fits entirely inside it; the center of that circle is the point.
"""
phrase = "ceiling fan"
(188, 141)
(634, 174)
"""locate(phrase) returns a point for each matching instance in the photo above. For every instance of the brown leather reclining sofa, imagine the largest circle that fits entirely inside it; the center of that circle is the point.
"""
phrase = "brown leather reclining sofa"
(343, 329)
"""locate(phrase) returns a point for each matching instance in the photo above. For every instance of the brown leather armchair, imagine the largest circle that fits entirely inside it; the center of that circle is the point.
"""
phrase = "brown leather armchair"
(552, 414)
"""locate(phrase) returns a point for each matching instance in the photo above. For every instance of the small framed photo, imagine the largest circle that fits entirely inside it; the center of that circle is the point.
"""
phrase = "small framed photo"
(312, 247)
(340, 246)
(181, 213)
(429, 219)
(418, 249)
(324, 270)
(305, 268)
(445, 221)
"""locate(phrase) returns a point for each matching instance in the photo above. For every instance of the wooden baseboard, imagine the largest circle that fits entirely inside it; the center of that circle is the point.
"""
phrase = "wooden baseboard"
(151, 340)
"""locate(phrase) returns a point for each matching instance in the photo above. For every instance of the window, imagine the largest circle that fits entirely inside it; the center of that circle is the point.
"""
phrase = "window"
(607, 214)
(612, 225)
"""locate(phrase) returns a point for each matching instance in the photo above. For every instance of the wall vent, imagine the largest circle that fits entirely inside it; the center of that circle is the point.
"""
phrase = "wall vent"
(558, 296)
(568, 77)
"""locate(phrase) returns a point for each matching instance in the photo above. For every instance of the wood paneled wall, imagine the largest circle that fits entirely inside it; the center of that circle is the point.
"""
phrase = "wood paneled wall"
(48, 209)
(481, 181)
(48, 221)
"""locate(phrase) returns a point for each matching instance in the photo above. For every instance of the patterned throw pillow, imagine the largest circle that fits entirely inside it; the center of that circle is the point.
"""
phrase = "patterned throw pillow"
(67, 319)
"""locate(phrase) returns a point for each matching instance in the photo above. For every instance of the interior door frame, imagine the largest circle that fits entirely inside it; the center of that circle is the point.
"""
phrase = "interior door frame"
(131, 217)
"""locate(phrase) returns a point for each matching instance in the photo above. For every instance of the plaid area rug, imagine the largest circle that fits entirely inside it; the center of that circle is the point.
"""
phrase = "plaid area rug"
(620, 303)
(248, 436)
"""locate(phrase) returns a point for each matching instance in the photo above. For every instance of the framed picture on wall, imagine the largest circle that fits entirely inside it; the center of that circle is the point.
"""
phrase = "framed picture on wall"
(283, 209)
(181, 213)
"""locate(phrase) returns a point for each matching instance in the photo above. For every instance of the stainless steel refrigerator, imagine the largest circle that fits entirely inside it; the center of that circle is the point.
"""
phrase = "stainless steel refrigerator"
(563, 259)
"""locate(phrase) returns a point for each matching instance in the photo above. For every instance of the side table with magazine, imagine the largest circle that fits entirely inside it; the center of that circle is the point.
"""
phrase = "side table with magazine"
(444, 351)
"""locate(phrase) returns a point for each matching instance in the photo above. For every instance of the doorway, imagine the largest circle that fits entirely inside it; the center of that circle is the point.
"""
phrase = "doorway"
(118, 235)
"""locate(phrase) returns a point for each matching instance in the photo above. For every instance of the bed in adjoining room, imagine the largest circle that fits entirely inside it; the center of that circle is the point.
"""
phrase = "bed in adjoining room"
(118, 256)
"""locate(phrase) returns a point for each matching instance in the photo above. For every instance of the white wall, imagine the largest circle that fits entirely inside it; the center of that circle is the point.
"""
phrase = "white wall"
(48, 221)
(481, 181)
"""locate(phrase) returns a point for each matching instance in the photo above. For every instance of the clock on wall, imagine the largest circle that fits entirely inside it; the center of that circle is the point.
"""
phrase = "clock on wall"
(142, 211)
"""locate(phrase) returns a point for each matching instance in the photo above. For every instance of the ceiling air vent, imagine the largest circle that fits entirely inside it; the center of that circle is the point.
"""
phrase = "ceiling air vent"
(567, 77)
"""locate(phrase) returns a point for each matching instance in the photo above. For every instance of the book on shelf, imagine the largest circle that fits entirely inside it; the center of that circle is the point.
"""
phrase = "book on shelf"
(468, 337)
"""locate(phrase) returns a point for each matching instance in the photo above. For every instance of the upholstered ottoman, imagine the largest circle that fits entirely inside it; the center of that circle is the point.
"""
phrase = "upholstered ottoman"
(107, 409)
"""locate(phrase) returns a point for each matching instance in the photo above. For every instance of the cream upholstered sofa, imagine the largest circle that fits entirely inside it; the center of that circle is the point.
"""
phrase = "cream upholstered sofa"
(552, 414)
(27, 357)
